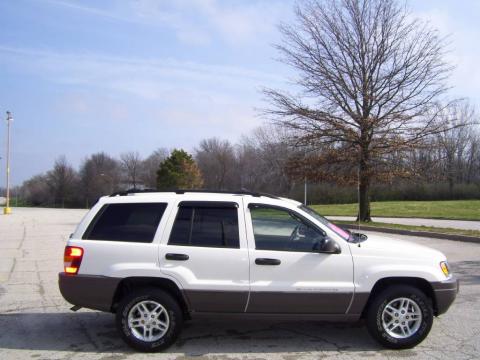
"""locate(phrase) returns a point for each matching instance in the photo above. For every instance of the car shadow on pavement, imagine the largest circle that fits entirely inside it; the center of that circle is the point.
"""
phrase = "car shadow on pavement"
(95, 332)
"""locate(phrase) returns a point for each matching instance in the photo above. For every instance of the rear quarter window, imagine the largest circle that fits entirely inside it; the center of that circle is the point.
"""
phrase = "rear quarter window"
(132, 222)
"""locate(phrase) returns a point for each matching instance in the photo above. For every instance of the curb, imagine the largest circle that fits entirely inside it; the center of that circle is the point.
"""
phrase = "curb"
(427, 234)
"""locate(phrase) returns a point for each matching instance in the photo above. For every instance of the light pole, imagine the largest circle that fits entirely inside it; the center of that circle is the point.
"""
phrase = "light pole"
(7, 209)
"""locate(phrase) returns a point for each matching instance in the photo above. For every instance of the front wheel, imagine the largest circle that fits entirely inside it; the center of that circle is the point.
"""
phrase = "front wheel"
(149, 319)
(400, 317)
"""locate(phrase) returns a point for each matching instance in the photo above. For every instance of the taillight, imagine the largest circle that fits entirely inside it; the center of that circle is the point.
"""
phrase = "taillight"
(72, 259)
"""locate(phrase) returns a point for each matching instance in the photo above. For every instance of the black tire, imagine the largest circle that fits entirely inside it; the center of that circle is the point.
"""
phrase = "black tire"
(375, 311)
(172, 308)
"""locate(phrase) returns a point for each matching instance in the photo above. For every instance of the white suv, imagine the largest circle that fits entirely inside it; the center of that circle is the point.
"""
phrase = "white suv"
(156, 259)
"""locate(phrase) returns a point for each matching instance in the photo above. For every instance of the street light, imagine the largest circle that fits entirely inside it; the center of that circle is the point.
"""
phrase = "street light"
(7, 209)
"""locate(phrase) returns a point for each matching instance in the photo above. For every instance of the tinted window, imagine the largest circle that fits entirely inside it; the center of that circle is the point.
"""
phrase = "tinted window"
(283, 230)
(136, 222)
(206, 226)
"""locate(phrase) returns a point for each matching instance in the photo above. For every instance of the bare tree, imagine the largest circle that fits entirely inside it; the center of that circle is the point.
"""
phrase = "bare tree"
(99, 175)
(36, 192)
(369, 76)
(454, 142)
(131, 165)
(217, 162)
(472, 171)
(62, 180)
(150, 167)
(263, 156)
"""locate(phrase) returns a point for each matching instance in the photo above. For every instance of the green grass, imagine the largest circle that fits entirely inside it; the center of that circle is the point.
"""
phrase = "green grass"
(452, 209)
(414, 228)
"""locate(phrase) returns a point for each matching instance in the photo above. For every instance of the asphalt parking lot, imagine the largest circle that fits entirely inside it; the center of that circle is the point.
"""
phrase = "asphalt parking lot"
(36, 322)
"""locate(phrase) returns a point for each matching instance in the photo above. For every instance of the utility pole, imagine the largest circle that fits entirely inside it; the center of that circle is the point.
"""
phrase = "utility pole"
(7, 210)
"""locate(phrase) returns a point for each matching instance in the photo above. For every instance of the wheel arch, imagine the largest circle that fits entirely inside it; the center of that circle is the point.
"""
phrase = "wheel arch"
(130, 284)
(419, 283)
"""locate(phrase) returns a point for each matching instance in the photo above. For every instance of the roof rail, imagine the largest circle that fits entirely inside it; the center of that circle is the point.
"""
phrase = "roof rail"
(132, 191)
(183, 191)
(234, 192)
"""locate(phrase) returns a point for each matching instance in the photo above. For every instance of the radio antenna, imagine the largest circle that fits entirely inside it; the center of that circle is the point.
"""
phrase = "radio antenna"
(358, 196)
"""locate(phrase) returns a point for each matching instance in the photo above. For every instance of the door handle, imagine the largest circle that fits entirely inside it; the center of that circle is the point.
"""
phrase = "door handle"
(178, 257)
(265, 261)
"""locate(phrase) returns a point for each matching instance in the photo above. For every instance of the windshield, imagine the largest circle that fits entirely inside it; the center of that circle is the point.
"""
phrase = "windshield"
(336, 229)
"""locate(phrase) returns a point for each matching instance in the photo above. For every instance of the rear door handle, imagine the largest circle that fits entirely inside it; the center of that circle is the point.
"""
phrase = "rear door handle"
(178, 257)
(265, 261)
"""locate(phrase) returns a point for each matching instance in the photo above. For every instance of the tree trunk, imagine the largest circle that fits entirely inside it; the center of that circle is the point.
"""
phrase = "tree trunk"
(450, 186)
(364, 193)
(450, 174)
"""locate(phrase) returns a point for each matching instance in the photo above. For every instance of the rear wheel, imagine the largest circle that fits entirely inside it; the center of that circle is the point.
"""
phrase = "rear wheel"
(400, 317)
(149, 319)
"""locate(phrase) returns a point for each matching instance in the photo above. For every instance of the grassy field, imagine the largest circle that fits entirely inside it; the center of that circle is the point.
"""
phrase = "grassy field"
(452, 209)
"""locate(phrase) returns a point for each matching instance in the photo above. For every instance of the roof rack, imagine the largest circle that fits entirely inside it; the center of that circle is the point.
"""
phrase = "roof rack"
(183, 191)
(132, 191)
(234, 192)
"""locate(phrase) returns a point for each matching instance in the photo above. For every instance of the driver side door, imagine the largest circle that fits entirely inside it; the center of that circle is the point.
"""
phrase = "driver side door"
(288, 274)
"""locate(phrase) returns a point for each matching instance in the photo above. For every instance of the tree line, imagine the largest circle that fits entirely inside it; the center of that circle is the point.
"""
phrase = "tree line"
(448, 167)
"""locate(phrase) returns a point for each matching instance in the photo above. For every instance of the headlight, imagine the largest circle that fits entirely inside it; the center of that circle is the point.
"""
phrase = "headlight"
(445, 268)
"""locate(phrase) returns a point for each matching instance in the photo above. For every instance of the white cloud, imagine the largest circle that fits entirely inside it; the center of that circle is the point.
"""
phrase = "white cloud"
(212, 100)
(242, 21)
(147, 78)
(84, 104)
(196, 22)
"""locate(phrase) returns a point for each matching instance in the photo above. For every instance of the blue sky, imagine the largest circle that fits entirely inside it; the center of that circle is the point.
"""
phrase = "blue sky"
(116, 76)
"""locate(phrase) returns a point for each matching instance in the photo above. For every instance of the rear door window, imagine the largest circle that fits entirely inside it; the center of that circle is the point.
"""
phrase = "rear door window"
(132, 222)
(206, 225)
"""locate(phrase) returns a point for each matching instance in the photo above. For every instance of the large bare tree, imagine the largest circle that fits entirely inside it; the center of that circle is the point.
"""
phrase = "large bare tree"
(369, 77)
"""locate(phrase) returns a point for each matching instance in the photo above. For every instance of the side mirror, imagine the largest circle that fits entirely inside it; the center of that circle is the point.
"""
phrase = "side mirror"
(329, 246)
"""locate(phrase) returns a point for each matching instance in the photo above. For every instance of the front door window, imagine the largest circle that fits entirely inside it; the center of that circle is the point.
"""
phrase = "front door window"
(283, 230)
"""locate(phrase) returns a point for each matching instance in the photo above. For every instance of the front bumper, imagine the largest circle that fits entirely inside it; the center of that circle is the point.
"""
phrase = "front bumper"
(445, 293)
(89, 291)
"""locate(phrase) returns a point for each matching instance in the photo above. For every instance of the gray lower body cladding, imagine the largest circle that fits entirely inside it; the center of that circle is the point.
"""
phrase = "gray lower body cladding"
(97, 292)
(299, 302)
(267, 302)
(216, 301)
(89, 291)
(445, 293)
